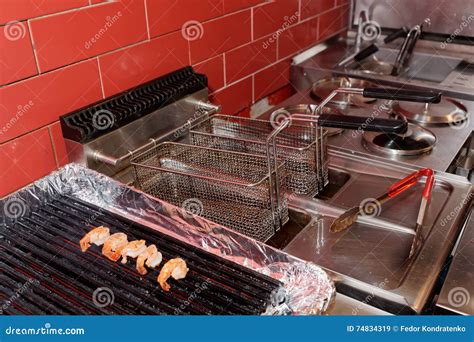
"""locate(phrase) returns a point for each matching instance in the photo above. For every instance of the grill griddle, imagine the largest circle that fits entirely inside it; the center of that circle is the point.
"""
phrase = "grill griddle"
(43, 270)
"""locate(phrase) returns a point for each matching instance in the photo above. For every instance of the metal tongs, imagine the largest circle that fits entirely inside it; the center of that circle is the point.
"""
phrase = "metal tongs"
(350, 217)
(368, 51)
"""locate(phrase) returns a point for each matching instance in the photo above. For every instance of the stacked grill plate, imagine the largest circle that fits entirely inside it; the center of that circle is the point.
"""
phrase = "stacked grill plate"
(43, 270)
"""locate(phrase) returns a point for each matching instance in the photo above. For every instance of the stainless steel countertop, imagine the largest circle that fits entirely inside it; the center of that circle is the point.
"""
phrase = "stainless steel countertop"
(347, 306)
(457, 293)
(369, 261)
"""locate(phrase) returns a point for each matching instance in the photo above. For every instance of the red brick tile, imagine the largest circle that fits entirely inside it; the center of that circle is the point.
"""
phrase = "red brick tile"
(236, 5)
(271, 79)
(59, 145)
(73, 36)
(332, 22)
(298, 37)
(311, 8)
(170, 15)
(24, 160)
(214, 69)
(235, 97)
(16, 54)
(244, 113)
(25, 9)
(126, 68)
(280, 95)
(274, 16)
(40, 100)
(249, 58)
(221, 35)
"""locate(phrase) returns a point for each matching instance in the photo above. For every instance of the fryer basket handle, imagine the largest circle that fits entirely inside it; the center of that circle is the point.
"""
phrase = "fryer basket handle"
(362, 123)
(403, 95)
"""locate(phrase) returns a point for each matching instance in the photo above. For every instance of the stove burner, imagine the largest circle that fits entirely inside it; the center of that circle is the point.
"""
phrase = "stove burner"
(396, 142)
(309, 109)
(324, 87)
(448, 111)
(417, 140)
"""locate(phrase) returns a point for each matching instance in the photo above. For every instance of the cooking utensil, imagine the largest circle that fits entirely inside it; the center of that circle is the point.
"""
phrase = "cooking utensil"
(324, 87)
(347, 219)
(238, 190)
(359, 56)
(308, 109)
(415, 141)
(447, 112)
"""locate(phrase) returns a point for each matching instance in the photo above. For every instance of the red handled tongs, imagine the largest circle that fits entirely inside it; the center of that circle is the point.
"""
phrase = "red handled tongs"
(371, 208)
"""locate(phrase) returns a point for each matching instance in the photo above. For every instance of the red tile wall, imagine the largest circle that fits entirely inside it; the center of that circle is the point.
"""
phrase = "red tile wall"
(57, 56)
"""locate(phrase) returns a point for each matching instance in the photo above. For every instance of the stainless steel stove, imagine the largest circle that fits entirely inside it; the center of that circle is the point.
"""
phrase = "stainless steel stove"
(370, 260)
(432, 146)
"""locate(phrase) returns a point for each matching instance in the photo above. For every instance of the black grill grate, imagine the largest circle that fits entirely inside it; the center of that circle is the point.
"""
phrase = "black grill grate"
(93, 121)
(43, 270)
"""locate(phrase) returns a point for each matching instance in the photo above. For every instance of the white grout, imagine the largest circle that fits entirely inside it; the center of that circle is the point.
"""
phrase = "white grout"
(100, 78)
(146, 20)
(33, 46)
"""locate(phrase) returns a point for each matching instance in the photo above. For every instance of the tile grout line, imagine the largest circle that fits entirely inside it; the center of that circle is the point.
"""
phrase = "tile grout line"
(100, 78)
(157, 37)
(55, 154)
(35, 54)
(70, 10)
(252, 35)
(146, 20)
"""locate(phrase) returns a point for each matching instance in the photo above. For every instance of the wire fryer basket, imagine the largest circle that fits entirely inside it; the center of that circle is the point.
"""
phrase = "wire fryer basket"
(234, 189)
(301, 146)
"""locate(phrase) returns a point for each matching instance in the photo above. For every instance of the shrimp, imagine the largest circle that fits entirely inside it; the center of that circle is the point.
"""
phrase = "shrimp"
(114, 245)
(175, 268)
(133, 249)
(97, 236)
(151, 256)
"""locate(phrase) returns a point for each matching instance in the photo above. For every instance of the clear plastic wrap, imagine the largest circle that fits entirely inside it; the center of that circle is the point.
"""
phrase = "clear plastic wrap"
(308, 290)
